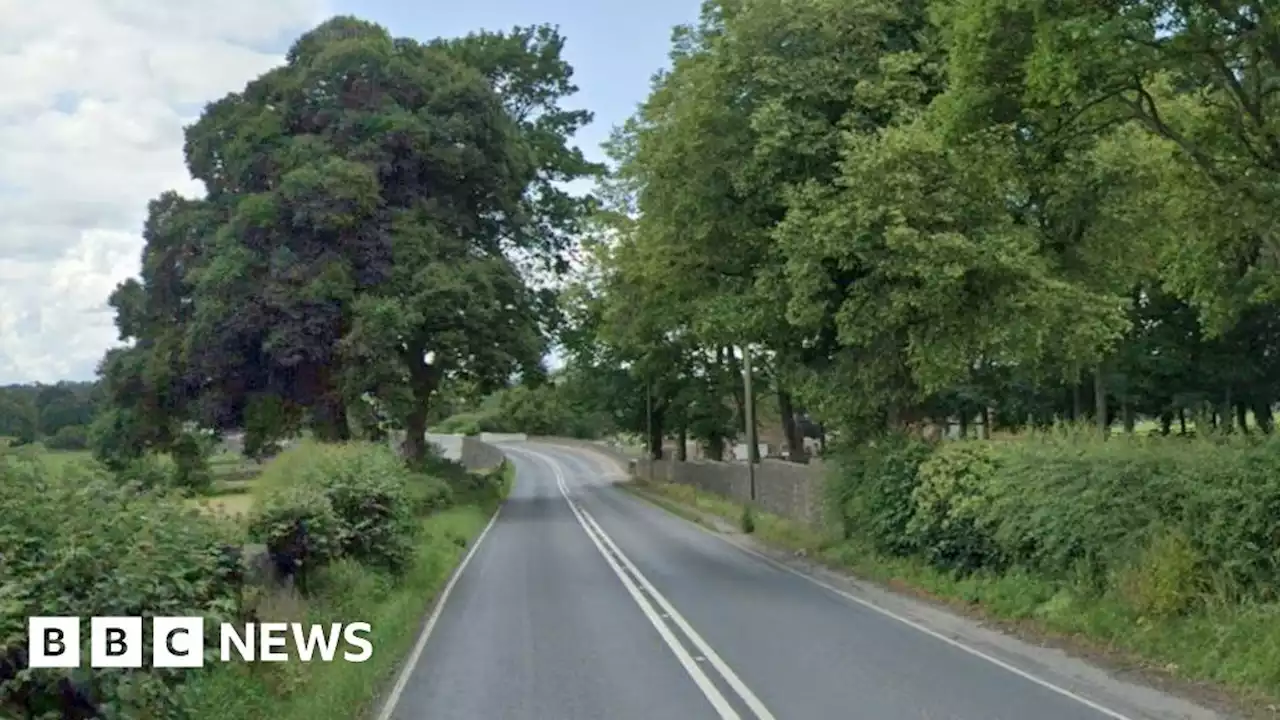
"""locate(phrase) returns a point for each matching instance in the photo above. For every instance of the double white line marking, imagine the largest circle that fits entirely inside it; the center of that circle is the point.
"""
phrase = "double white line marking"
(646, 596)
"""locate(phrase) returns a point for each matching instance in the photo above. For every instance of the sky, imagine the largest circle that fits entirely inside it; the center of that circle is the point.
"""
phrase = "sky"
(97, 93)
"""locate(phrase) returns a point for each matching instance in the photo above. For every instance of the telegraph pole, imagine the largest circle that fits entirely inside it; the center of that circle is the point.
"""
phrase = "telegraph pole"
(648, 422)
(751, 421)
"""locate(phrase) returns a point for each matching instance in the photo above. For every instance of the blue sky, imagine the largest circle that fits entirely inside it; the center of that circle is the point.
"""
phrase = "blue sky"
(615, 46)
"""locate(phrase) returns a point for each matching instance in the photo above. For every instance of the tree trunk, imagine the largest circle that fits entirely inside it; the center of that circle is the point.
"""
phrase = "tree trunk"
(655, 436)
(964, 424)
(795, 438)
(329, 419)
(1126, 410)
(1182, 421)
(1166, 423)
(422, 382)
(1262, 415)
(1100, 401)
(1077, 400)
(715, 448)
(682, 444)
(1242, 417)
(1226, 411)
(984, 431)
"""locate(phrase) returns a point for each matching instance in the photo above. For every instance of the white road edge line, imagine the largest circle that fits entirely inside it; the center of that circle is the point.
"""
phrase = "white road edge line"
(708, 688)
(411, 662)
(1047, 684)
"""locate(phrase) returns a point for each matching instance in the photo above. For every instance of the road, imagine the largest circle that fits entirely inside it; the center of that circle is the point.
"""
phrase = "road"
(583, 602)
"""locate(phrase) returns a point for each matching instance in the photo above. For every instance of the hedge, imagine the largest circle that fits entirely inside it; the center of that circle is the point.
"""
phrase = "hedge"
(1163, 522)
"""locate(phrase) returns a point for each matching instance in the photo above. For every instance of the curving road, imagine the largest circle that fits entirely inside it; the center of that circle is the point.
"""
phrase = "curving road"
(582, 602)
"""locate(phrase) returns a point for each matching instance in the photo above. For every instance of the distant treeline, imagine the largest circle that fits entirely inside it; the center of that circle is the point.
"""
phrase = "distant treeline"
(58, 414)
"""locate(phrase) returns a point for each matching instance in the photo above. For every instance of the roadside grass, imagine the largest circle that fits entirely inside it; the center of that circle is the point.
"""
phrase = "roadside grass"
(341, 690)
(348, 592)
(1229, 651)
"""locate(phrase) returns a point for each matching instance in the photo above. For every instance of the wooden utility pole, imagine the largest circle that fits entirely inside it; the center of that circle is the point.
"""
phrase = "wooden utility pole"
(751, 421)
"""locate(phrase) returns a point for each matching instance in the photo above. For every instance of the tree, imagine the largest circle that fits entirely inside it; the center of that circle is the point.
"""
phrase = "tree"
(366, 205)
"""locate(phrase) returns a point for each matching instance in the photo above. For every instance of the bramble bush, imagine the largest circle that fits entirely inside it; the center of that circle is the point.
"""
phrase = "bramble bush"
(74, 541)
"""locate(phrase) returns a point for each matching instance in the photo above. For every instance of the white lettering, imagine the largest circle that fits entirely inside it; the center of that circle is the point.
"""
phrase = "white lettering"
(352, 638)
(273, 636)
(231, 637)
(328, 644)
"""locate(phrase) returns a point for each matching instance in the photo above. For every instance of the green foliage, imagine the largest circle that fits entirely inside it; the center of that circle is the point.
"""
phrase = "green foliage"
(76, 542)
(299, 521)
(560, 408)
(870, 490)
(465, 424)
(69, 437)
(354, 499)
(429, 494)
(1160, 523)
(949, 507)
(1168, 578)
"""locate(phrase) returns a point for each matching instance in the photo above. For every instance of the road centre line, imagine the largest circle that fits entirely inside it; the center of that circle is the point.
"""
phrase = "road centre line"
(610, 551)
(885, 612)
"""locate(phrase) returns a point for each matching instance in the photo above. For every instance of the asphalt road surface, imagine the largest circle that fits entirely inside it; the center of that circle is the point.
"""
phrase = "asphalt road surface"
(583, 602)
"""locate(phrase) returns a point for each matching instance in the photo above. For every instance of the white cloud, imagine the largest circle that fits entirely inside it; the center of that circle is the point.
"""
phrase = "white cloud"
(96, 95)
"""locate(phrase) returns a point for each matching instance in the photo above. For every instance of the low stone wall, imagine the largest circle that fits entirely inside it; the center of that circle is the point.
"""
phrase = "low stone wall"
(789, 490)
(480, 455)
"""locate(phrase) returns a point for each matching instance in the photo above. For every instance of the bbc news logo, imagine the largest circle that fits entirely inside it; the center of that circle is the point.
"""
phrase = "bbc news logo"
(178, 642)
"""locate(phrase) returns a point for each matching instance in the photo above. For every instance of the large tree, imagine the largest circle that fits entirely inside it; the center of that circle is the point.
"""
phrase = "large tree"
(368, 205)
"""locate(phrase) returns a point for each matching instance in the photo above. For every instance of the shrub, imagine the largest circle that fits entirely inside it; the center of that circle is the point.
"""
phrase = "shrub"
(299, 522)
(948, 523)
(367, 488)
(149, 472)
(869, 490)
(191, 471)
(73, 541)
(460, 424)
(1166, 578)
(429, 494)
(69, 437)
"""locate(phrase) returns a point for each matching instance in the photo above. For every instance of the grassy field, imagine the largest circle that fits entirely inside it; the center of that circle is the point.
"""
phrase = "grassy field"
(233, 476)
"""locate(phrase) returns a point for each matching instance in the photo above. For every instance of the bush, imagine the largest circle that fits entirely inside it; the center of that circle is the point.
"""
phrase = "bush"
(69, 437)
(1093, 513)
(948, 523)
(299, 522)
(869, 490)
(367, 487)
(73, 541)
(460, 424)
(1166, 578)
(429, 494)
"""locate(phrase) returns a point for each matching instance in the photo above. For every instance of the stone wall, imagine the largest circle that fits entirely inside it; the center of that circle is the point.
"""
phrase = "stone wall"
(480, 455)
(790, 490)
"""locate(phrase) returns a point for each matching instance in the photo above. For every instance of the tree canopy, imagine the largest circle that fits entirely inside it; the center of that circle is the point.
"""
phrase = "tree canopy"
(373, 209)
(926, 211)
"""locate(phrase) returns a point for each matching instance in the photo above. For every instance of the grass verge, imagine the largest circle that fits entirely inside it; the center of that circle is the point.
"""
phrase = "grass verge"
(1227, 655)
(348, 592)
